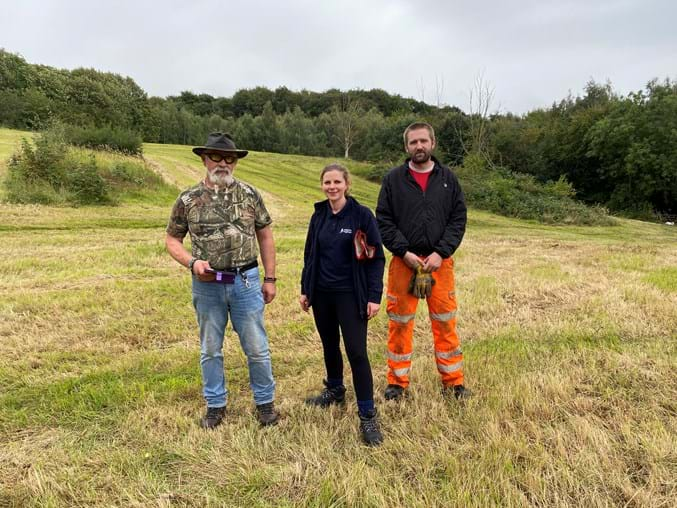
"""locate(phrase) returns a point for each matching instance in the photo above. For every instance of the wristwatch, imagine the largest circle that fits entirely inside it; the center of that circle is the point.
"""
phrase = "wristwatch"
(191, 263)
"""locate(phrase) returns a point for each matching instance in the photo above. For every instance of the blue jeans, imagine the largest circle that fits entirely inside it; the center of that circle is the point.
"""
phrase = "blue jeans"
(213, 303)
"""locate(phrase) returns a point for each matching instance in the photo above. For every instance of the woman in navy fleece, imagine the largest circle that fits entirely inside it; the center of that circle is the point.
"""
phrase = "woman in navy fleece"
(343, 293)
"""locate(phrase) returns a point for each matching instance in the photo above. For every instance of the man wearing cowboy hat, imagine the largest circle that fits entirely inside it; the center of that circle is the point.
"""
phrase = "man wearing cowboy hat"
(226, 219)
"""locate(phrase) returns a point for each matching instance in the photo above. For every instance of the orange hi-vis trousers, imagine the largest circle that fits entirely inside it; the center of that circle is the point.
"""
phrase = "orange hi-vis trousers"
(401, 313)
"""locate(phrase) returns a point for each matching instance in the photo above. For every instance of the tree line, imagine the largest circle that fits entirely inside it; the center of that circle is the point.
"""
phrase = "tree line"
(619, 151)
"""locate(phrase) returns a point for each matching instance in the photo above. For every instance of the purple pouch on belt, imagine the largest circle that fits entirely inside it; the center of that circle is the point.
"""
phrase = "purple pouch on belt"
(221, 277)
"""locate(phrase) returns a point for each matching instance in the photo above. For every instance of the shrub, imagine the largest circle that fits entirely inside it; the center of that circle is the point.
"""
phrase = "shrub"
(36, 174)
(50, 172)
(85, 185)
(105, 138)
(377, 173)
(45, 162)
(522, 196)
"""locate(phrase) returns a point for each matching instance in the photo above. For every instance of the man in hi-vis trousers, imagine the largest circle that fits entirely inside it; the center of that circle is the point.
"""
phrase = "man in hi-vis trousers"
(421, 215)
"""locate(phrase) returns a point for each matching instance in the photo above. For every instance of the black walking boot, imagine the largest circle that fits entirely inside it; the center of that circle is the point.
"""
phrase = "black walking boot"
(394, 392)
(329, 396)
(459, 392)
(371, 433)
(213, 417)
(267, 414)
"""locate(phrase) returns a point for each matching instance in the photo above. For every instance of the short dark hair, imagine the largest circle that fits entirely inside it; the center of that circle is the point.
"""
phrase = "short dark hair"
(419, 125)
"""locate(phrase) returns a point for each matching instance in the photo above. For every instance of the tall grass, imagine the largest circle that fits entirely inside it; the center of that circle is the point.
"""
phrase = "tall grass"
(568, 335)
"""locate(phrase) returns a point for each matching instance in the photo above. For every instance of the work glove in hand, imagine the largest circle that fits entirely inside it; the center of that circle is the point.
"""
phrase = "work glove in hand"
(421, 284)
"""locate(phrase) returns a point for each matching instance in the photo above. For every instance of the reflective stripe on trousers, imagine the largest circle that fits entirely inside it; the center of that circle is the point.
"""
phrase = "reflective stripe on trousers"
(401, 309)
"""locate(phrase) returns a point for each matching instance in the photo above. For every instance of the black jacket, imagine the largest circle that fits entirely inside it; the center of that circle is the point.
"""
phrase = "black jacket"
(367, 274)
(421, 222)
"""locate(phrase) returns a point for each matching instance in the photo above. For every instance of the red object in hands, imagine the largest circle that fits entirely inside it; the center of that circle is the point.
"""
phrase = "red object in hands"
(362, 250)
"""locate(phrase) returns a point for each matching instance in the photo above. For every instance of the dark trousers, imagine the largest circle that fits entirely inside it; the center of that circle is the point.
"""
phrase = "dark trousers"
(334, 310)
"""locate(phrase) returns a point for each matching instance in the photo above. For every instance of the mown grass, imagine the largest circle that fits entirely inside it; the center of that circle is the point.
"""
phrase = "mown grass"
(569, 335)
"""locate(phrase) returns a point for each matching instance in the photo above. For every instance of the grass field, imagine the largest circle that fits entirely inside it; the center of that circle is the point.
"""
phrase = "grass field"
(569, 336)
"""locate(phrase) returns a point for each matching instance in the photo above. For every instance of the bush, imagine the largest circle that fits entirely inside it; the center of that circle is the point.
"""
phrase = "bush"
(85, 185)
(52, 173)
(105, 138)
(48, 173)
(377, 173)
(45, 162)
(522, 196)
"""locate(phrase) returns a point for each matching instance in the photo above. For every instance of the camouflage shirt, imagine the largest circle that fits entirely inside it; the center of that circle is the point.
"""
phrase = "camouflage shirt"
(222, 226)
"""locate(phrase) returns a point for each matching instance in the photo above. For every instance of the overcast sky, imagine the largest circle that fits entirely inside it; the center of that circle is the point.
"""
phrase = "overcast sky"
(531, 52)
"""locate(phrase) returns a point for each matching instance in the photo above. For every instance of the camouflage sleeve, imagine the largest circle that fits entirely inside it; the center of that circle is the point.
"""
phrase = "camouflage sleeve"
(262, 218)
(178, 222)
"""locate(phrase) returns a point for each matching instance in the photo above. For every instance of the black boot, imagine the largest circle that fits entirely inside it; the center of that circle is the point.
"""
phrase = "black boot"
(329, 396)
(394, 392)
(459, 392)
(213, 417)
(267, 414)
(371, 433)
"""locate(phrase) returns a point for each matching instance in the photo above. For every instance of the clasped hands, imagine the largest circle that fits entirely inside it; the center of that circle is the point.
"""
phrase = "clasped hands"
(421, 283)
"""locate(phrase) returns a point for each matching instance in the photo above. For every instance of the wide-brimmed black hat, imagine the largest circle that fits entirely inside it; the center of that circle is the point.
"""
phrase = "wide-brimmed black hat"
(220, 143)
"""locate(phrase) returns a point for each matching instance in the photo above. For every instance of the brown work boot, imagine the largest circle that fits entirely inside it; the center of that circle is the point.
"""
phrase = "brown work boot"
(267, 414)
(394, 392)
(213, 417)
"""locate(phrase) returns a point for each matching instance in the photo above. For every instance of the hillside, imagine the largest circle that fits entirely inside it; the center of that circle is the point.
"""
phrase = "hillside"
(569, 337)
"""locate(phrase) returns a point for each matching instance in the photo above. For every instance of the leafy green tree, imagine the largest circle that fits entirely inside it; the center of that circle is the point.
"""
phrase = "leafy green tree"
(285, 100)
(244, 132)
(299, 134)
(37, 109)
(200, 105)
(636, 144)
(12, 109)
(450, 129)
(269, 129)
(345, 123)
(223, 107)
(15, 72)
(151, 127)
(251, 101)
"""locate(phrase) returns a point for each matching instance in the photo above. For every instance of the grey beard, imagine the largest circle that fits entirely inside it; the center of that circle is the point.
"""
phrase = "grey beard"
(220, 180)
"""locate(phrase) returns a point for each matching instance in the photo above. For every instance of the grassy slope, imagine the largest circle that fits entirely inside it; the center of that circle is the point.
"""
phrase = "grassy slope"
(10, 141)
(569, 335)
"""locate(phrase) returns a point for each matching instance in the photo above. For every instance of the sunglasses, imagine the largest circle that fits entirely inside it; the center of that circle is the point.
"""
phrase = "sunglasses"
(217, 157)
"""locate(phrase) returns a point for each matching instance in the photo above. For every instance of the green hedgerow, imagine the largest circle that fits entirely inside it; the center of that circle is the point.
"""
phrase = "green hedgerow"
(522, 196)
(114, 139)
